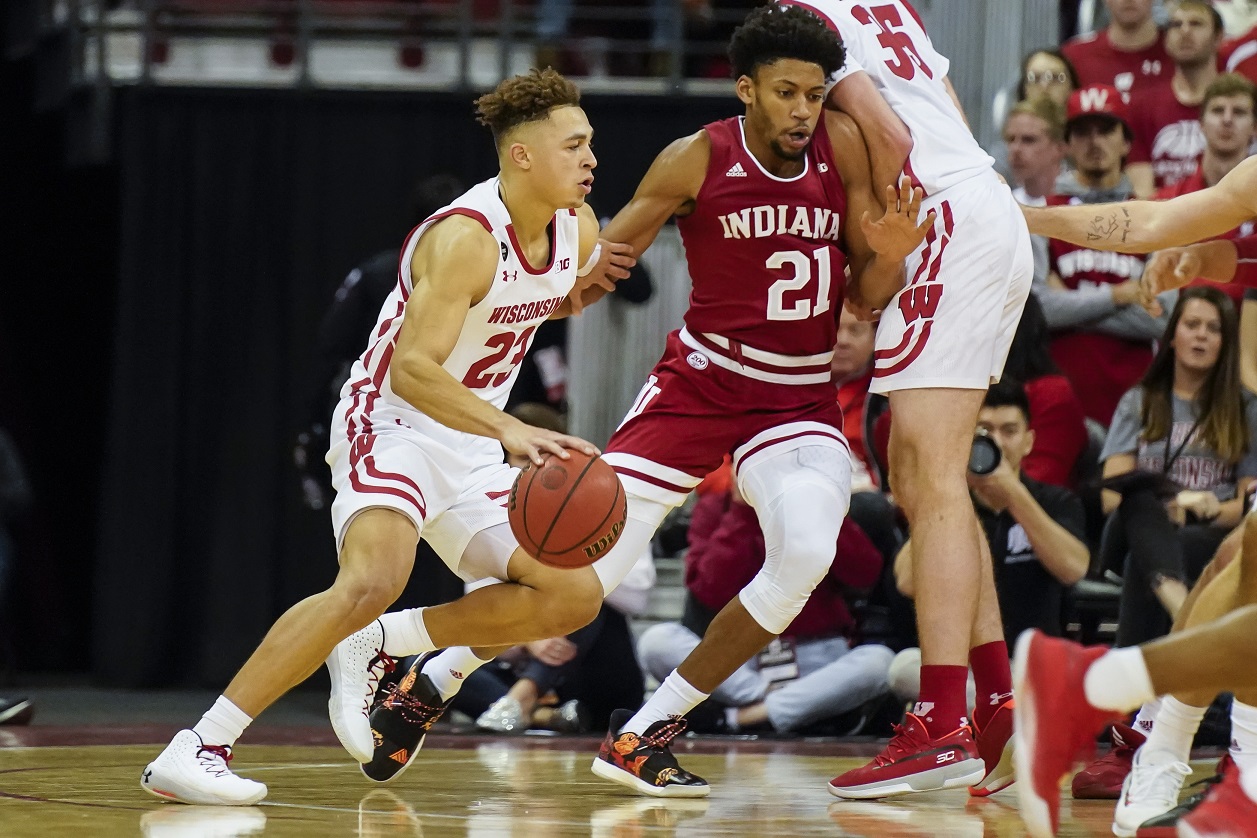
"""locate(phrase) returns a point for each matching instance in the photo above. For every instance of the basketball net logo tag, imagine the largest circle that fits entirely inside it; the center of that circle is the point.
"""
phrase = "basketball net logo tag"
(922, 708)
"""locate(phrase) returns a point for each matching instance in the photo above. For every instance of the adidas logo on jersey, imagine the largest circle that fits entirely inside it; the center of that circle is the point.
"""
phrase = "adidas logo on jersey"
(736, 171)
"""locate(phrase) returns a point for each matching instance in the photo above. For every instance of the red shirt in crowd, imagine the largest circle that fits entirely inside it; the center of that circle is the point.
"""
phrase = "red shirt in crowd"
(1165, 133)
(1246, 269)
(1097, 61)
(1060, 434)
(1101, 367)
(1194, 183)
(727, 550)
(1239, 55)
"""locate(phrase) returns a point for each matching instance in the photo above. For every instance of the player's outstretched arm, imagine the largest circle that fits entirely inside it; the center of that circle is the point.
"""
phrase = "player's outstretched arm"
(1144, 226)
(603, 263)
(875, 248)
(888, 137)
(1175, 267)
(668, 188)
(453, 268)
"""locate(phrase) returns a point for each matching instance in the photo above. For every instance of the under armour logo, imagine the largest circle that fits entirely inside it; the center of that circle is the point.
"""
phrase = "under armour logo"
(455, 673)
(148, 775)
(999, 698)
(510, 276)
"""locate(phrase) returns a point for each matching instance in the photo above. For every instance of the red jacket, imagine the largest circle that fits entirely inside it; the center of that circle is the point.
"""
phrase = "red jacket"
(727, 550)
(1060, 434)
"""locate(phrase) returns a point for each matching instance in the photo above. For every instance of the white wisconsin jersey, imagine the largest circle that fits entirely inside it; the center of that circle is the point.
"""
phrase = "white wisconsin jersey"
(887, 40)
(496, 333)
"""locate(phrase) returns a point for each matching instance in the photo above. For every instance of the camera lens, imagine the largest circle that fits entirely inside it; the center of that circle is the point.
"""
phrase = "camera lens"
(984, 455)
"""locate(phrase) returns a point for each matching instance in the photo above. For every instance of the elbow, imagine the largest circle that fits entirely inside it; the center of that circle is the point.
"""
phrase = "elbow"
(1077, 570)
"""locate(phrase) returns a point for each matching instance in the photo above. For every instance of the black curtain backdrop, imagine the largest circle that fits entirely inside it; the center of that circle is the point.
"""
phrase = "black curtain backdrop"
(240, 211)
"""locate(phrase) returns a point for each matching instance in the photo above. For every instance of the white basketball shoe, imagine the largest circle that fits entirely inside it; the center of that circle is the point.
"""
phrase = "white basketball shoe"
(189, 771)
(356, 666)
(1150, 789)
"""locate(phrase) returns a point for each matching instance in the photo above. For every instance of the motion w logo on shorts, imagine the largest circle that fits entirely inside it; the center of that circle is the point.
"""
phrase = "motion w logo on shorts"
(917, 303)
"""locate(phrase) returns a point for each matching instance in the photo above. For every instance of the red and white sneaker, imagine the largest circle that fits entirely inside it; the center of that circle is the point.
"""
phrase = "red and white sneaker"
(913, 762)
(1054, 724)
(189, 771)
(995, 747)
(356, 666)
(1103, 778)
(1226, 812)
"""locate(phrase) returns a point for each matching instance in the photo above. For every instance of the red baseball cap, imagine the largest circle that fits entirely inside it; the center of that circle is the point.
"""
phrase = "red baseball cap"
(1102, 100)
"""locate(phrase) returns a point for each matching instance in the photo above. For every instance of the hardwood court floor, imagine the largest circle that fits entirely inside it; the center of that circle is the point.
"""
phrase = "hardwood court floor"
(507, 788)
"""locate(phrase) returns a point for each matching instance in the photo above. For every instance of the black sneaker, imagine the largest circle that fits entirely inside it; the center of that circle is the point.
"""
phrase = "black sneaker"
(400, 721)
(645, 763)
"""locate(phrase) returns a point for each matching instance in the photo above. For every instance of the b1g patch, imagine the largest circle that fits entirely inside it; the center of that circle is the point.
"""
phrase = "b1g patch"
(697, 360)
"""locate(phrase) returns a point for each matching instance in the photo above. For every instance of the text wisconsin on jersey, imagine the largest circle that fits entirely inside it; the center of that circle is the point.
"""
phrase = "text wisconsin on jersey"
(779, 220)
(522, 312)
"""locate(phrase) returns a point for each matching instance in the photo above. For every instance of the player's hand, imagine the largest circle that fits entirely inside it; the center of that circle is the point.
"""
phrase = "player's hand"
(855, 303)
(615, 260)
(896, 234)
(555, 651)
(538, 443)
(1166, 270)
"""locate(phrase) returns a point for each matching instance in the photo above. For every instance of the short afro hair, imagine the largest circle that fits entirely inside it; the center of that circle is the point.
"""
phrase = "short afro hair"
(523, 99)
(771, 33)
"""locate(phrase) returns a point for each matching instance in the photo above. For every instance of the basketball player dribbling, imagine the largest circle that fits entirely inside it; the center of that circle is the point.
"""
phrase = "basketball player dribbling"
(417, 446)
(940, 344)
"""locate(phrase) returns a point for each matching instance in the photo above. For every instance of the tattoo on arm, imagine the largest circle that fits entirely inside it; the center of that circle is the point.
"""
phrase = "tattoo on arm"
(1114, 225)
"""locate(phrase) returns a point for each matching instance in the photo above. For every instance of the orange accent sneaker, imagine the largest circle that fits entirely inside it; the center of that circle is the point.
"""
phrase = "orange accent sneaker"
(645, 763)
(995, 747)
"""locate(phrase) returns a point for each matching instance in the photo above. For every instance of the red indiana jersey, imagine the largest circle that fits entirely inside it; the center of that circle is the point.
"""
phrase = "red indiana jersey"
(1101, 367)
(1165, 133)
(765, 253)
(1097, 61)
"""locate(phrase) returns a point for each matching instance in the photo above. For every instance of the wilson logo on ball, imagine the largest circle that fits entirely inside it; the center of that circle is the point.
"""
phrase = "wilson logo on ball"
(602, 545)
(567, 512)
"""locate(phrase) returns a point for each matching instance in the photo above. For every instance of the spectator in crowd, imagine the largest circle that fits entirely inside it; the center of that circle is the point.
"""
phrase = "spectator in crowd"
(815, 670)
(1034, 137)
(1128, 54)
(15, 503)
(1165, 120)
(1057, 421)
(591, 672)
(1227, 123)
(1101, 336)
(1180, 455)
(1047, 74)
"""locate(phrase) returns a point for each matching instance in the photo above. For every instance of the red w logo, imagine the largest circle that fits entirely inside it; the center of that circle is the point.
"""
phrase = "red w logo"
(920, 301)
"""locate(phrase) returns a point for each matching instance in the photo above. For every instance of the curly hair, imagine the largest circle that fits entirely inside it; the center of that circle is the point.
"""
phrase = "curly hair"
(771, 33)
(523, 99)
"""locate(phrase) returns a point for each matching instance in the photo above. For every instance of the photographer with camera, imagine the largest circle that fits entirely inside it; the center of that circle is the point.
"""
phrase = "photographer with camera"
(1034, 531)
(1178, 461)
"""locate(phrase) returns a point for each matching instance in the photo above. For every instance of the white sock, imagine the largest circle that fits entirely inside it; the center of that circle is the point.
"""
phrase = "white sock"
(675, 697)
(731, 719)
(1171, 737)
(405, 633)
(1244, 736)
(222, 724)
(1147, 716)
(448, 669)
(1119, 681)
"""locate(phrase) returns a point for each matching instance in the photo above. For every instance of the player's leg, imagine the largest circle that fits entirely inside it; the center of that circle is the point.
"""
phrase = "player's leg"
(375, 562)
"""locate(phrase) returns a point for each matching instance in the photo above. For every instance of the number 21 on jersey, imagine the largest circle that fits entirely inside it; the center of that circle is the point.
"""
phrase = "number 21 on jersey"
(807, 304)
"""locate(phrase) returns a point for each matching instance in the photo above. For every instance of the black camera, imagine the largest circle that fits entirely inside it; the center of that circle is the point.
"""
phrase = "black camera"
(984, 455)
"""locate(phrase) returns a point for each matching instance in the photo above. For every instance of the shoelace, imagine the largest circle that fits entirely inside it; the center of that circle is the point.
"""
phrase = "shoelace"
(411, 708)
(1157, 783)
(904, 741)
(217, 754)
(663, 735)
(380, 666)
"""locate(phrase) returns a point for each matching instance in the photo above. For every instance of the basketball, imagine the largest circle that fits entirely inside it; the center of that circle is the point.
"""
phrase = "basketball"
(567, 513)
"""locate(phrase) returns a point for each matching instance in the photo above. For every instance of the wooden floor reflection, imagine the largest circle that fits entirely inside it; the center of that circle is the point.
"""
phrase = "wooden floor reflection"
(500, 789)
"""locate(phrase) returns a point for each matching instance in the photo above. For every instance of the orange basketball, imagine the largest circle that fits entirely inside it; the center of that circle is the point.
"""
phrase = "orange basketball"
(567, 513)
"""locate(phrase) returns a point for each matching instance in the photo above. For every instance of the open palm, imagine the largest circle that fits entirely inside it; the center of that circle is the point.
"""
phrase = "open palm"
(896, 234)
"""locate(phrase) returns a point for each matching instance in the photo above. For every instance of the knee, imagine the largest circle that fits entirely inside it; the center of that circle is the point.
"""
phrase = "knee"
(572, 600)
(365, 596)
